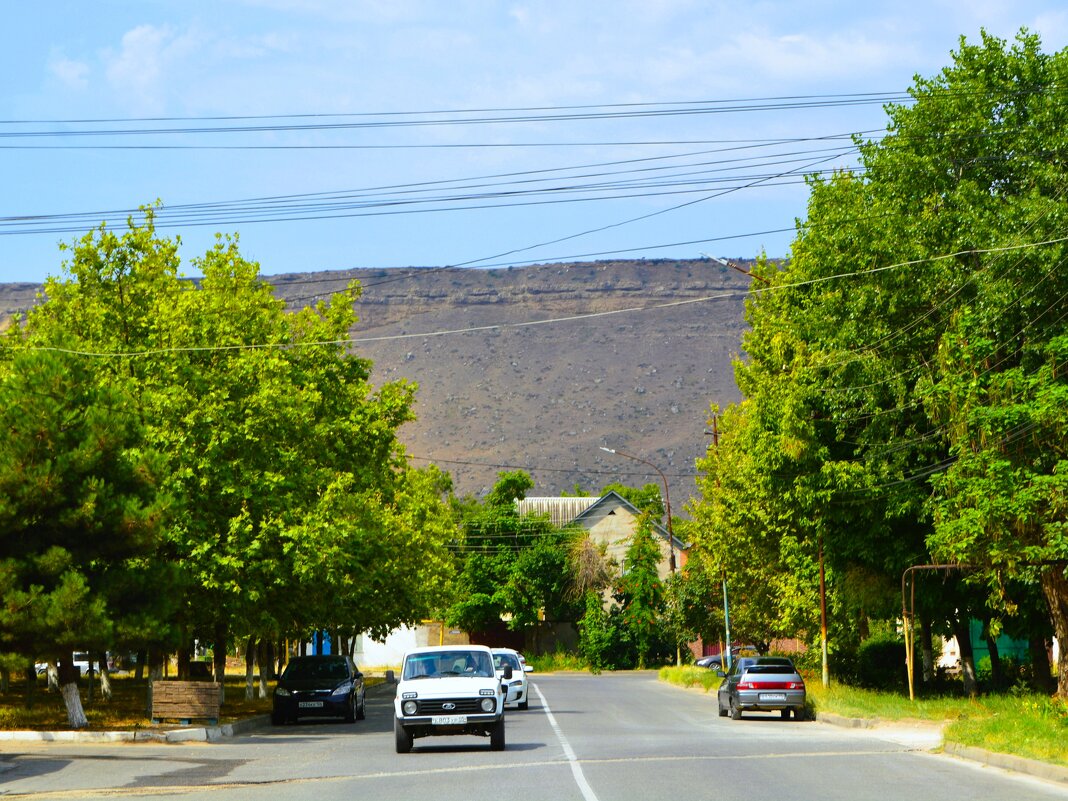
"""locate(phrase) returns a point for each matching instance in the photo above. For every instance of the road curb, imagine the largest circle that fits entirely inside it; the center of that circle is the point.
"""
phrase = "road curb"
(204, 734)
(1033, 767)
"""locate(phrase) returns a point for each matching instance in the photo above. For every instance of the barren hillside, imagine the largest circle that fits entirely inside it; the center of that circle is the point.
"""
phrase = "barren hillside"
(537, 367)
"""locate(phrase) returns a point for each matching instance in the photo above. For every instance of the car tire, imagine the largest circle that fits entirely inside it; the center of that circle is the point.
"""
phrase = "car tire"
(402, 736)
(722, 709)
(524, 704)
(799, 713)
(784, 713)
(350, 711)
(736, 711)
(277, 719)
(497, 736)
(361, 709)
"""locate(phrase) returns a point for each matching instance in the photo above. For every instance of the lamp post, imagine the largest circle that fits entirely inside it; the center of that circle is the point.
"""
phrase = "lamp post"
(667, 507)
(667, 499)
(733, 266)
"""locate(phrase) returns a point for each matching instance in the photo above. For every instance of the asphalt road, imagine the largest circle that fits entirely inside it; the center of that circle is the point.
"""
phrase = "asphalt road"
(613, 737)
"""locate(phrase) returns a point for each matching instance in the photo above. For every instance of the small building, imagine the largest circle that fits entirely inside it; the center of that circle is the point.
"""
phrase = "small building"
(611, 520)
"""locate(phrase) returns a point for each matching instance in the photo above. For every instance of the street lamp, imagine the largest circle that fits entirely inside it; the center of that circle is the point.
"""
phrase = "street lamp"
(667, 499)
(667, 506)
(733, 266)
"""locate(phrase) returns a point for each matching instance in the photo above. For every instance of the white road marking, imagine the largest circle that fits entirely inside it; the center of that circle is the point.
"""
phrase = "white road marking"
(576, 768)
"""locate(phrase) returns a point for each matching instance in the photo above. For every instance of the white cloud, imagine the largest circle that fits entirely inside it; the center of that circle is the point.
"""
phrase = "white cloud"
(150, 64)
(72, 74)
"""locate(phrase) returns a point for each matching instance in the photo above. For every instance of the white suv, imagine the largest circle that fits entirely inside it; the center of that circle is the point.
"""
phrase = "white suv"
(449, 689)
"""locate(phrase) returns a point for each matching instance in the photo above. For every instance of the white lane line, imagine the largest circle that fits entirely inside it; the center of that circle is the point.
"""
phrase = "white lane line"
(576, 768)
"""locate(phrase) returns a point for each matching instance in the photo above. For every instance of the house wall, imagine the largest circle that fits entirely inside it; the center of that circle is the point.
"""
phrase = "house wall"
(388, 653)
(615, 530)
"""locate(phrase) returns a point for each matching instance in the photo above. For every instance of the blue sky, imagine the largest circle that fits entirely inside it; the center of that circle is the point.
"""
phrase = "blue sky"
(332, 134)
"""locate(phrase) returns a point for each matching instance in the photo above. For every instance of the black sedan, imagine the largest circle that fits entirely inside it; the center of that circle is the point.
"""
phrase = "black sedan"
(319, 686)
(762, 684)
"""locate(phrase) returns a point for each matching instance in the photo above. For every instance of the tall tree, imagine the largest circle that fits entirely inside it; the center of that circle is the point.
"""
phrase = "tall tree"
(80, 513)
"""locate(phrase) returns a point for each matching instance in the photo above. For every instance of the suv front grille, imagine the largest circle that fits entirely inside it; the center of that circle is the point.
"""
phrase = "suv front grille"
(461, 706)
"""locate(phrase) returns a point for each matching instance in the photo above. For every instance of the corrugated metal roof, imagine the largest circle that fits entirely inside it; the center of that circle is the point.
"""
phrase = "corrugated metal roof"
(561, 511)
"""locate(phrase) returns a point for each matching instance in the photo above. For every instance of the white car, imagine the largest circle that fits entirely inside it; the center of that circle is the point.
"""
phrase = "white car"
(516, 686)
(449, 689)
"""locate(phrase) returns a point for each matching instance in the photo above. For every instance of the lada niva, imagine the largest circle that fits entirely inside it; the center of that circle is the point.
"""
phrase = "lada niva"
(446, 690)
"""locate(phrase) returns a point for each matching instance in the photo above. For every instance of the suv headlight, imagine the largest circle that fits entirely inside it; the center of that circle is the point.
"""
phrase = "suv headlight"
(489, 704)
(410, 707)
(282, 691)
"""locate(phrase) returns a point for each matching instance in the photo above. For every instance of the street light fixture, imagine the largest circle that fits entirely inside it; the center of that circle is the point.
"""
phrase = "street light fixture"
(667, 498)
(733, 266)
(667, 506)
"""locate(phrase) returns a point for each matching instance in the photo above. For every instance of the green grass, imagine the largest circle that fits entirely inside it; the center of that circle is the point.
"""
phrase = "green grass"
(547, 663)
(1031, 726)
(1020, 723)
(124, 712)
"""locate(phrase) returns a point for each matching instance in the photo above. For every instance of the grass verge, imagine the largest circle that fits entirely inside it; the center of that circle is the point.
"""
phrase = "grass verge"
(124, 712)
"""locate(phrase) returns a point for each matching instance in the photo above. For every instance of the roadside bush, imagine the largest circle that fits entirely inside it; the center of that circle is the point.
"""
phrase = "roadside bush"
(881, 664)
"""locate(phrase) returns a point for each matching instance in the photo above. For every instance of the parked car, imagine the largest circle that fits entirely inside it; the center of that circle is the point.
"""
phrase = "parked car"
(716, 660)
(516, 687)
(762, 684)
(319, 686)
(448, 690)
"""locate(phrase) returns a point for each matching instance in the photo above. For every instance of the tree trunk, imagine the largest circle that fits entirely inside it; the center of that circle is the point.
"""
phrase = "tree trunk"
(997, 675)
(218, 657)
(263, 660)
(72, 698)
(250, 667)
(967, 657)
(139, 668)
(185, 656)
(31, 685)
(5, 680)
(1055, 588)
(1041, 672)
(155, 673)
(52, 672)
(927, 650)
(105, 676)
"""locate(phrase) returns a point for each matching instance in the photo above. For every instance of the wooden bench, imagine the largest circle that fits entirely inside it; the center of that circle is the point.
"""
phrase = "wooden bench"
(186, 700)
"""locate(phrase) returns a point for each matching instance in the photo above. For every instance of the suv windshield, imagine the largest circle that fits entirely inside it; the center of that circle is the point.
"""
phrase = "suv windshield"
(448, 663)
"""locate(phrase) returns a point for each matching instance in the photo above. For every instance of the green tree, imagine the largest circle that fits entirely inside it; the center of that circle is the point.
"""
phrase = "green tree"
(279, 452)
(80, 514)
(641, 591)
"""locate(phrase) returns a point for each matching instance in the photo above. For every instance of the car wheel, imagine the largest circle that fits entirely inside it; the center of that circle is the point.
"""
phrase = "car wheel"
(799, 713)
(722, 709)
(784, 713)
(736, 711)
(402, 736)
(350, 711)
(524, 704)
(497, 736)
(361, 709)
(277, 719)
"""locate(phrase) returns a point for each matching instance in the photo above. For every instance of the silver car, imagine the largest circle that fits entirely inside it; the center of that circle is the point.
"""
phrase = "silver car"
(762, 684)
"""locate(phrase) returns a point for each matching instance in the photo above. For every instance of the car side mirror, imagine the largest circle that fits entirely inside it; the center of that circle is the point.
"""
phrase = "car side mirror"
(507, 671)
(719, 672)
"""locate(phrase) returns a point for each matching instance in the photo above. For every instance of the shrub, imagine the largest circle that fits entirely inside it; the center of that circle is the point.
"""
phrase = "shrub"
(881, 664)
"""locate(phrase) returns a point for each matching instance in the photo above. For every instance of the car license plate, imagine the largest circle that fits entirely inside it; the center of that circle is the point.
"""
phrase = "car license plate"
(448, 720)
(773, 696)
(310, 704)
